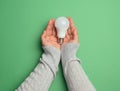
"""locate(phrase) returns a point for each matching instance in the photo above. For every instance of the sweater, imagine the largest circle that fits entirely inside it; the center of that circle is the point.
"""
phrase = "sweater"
(45, 72)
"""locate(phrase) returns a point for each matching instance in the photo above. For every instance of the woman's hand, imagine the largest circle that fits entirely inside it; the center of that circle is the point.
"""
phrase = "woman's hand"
(71, 35)
(49, 36)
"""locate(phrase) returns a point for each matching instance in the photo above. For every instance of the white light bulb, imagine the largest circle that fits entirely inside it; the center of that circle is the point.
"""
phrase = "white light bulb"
(61, 25)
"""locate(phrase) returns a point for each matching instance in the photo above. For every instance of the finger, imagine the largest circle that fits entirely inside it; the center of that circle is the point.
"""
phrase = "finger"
(69, 31)
(65, 39)
(54, 29)
(71, 23)
(49, 27)
(71, 37)
(53, 26)
(66, 34)
(54, 32)
(75, 34)
(43, 35)
(68, 37)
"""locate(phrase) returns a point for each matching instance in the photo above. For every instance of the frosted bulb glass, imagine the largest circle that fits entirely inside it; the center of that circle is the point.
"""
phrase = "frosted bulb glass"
(61, 24)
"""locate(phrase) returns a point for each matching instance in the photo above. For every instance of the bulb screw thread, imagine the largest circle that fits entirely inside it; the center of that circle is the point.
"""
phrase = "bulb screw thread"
(61, 40)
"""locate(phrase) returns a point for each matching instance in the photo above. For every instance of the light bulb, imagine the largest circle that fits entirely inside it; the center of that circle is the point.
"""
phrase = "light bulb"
(62, 25)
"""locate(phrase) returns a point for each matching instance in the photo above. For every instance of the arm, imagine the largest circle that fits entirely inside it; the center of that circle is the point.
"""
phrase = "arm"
(44, 73)
(75, 76)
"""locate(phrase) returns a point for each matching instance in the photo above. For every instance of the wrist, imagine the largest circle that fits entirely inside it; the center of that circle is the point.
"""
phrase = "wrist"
(68, 52)
(51, 57)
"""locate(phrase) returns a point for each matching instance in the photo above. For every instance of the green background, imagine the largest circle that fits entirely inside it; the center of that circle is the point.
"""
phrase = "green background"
(23, 21)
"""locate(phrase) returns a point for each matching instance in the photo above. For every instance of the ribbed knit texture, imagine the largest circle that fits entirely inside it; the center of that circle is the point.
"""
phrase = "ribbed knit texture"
(75, 76)
(41, 78)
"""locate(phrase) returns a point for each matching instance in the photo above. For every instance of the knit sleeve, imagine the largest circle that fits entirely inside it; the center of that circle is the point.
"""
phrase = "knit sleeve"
(75, 76)
(44, 73)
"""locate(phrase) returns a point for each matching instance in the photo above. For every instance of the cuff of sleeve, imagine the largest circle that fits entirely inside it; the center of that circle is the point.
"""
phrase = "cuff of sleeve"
(51, 57)
(68, 53)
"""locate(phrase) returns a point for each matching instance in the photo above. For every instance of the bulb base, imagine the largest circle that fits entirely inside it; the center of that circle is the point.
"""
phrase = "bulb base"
(60, 40)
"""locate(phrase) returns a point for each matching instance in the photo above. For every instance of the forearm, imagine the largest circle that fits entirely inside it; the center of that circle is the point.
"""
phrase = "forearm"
(74, 74)
(44, 73)
(76, 78)
(39, 80)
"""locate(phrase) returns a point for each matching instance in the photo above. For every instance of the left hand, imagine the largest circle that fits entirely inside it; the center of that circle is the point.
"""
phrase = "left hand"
(72, 33)
(49, 36)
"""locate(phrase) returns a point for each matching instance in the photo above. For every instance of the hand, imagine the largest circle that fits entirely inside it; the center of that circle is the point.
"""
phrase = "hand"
(70, 46)
(49, 36)
(71, 35)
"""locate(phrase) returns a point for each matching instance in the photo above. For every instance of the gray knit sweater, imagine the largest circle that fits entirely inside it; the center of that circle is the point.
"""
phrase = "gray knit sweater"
(44, 73)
